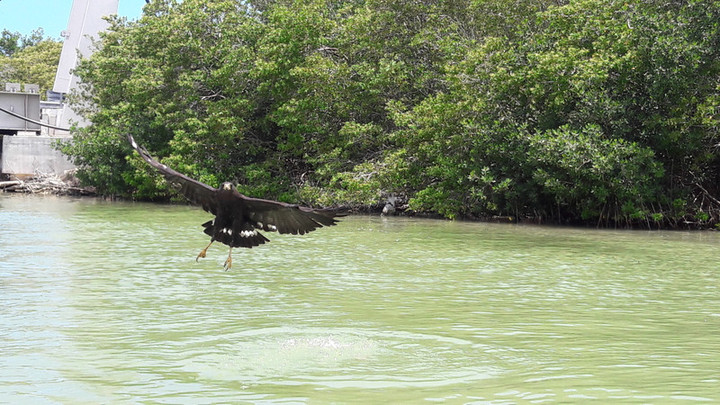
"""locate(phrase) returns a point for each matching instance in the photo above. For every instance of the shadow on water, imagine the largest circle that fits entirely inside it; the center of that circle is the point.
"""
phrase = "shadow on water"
(104, 302)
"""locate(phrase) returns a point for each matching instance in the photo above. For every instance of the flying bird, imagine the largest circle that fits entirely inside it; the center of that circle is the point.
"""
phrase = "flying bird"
(238, 218)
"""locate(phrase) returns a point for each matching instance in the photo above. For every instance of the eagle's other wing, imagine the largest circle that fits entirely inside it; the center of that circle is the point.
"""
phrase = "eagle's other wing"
(195, 191)
(285, 218)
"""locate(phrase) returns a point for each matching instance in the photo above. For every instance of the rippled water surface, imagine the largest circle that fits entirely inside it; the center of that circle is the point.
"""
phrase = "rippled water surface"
(103, 302)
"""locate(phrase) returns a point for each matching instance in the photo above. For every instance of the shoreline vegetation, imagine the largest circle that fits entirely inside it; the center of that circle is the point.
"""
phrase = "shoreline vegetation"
(69, 186)
(591, 112)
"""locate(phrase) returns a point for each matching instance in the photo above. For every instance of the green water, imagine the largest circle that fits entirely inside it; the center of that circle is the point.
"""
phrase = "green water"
(103, 302)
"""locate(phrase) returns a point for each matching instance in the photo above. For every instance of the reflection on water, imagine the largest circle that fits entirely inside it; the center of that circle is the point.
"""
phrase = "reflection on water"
(103, 303)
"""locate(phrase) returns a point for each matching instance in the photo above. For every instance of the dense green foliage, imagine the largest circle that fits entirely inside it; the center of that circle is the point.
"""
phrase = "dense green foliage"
(29, 59)
(590, 111)
(12, 42)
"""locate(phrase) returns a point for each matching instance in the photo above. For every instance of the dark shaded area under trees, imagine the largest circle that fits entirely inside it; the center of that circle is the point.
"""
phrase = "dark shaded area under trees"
(591, 112)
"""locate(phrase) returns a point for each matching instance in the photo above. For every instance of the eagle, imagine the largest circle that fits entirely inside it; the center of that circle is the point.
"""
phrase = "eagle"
(238, 218)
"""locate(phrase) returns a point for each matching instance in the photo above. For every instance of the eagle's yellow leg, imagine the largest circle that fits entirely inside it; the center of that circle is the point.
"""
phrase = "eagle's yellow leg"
(228, 262)
(204, 251)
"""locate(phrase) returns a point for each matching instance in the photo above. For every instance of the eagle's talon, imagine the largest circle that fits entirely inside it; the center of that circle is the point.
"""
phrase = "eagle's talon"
(228, 262)
(204, 251)
(201, 254)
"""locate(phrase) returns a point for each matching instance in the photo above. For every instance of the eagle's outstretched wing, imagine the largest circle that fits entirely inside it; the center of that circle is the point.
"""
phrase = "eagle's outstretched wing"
(195, 191)
(286, 218)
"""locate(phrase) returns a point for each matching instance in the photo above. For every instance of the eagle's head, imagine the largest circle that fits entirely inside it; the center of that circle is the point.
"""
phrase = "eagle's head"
(227, 186)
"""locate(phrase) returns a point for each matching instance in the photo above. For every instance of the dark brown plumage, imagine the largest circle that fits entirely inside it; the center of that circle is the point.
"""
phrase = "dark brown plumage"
(239, 218)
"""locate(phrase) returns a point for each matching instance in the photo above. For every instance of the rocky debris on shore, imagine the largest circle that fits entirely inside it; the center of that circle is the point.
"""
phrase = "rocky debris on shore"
(65, 184)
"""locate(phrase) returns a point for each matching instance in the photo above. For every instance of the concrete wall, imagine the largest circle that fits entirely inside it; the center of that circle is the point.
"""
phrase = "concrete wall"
(24, 156)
